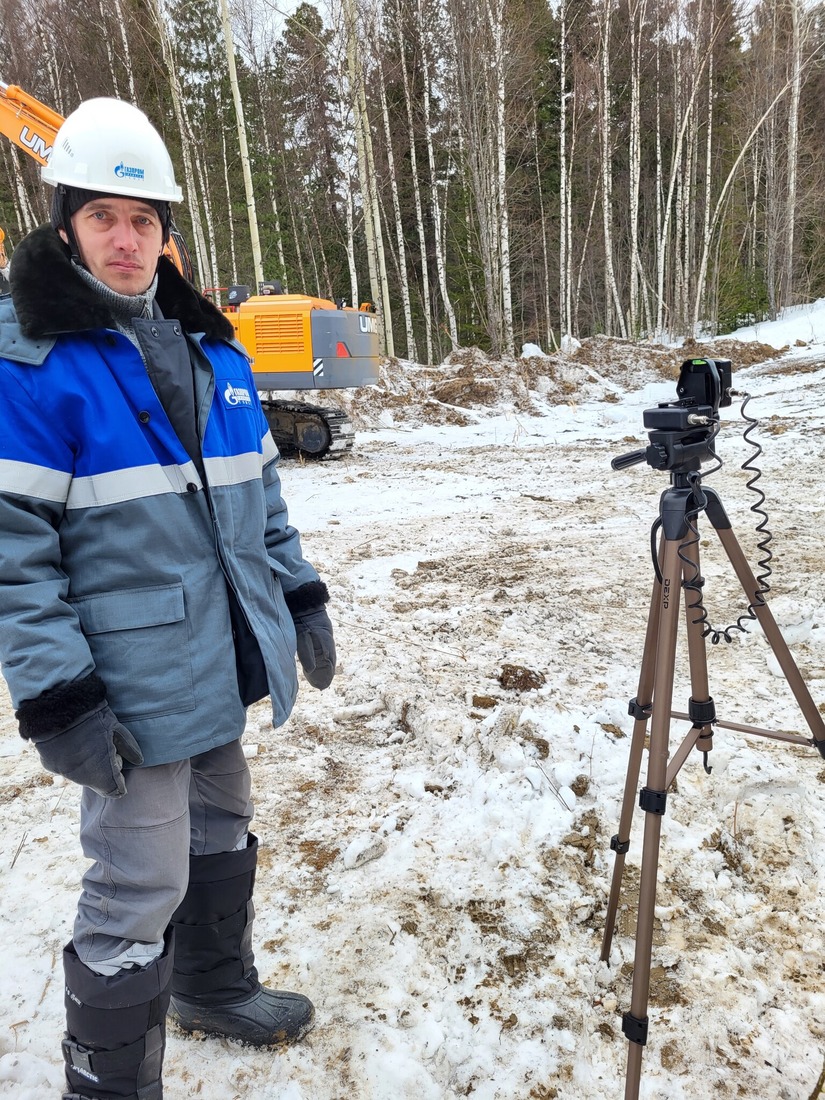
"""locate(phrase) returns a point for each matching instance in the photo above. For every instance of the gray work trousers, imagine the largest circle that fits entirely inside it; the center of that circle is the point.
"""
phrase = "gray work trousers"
(140, 846)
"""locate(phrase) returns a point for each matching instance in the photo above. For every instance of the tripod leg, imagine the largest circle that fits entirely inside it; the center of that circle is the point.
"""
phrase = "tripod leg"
(701, 707)
(652, 800)
(771, 630)
(640, 708)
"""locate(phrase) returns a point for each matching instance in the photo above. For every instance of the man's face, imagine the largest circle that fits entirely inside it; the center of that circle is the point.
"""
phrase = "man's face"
(119, 240)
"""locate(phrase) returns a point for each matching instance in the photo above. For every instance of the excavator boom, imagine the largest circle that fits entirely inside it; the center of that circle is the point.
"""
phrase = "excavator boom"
(30, 124)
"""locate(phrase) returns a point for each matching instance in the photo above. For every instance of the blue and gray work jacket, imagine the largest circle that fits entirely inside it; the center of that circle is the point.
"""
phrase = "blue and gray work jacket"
(120, 556)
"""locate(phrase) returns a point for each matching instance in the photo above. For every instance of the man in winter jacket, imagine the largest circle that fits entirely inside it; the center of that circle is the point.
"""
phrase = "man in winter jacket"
(151, 588)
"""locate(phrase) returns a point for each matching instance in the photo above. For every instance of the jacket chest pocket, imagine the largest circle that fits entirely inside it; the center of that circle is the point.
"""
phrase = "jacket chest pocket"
(140, 645)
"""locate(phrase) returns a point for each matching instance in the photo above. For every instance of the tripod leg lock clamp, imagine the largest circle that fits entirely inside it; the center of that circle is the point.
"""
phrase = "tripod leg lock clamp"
(639, 710)
(653, 802)
(620, 847)
(702, 713)
(635, 1029)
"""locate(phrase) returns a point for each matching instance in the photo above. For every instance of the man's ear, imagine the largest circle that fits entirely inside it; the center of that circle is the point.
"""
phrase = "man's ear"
(63, 237)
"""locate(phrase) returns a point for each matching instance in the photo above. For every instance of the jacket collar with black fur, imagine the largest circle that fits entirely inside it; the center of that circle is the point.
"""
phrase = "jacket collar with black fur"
(51, 299)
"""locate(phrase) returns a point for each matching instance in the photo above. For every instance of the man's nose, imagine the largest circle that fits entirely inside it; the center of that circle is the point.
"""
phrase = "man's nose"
(125, 237)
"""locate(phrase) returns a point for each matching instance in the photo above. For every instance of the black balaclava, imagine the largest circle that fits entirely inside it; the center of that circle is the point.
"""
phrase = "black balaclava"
(66, 201)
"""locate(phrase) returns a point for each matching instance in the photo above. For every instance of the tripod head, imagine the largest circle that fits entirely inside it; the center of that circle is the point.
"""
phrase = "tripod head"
(682, 432)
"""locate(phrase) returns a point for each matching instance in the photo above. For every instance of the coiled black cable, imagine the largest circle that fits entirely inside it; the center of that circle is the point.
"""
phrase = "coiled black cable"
(763, 565)
(696, 582)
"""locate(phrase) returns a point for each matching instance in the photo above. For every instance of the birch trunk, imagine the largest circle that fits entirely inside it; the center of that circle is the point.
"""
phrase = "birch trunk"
(27, 219)
(207, 277)
(671, 208)
(419, 212)
(121, 22)
(227, 188)
(347, 179)
(349, 213)
(564, 190)
(209, 220)
(296, 232)
(787, 293)
(661, 241)
(549, 334)
(723, 194)
(496, 17)
(354, 78)
(612, 305)
(412, 351)
(270, 178)
(110, 52)
(242, 143)
(636, 17)
(375, 208)
(440, 263)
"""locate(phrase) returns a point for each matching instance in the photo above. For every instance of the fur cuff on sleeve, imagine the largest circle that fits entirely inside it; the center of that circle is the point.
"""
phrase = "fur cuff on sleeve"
(307, 597)
(57, 708)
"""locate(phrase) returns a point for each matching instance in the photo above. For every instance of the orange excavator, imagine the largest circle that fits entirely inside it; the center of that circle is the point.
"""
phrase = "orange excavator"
(295, 341)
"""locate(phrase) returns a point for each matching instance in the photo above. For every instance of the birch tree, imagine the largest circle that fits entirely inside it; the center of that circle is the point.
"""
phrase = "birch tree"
(436, 185)
(366, 173)
(412, 352)
(565, 198)
(612, 304)
(252, 213)
(399, 28)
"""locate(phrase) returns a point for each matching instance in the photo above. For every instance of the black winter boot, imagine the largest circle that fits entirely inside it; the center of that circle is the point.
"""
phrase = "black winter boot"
(116, 1029)
(215, 987)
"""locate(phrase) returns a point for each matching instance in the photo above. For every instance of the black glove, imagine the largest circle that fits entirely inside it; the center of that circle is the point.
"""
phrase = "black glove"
(91, 751)
(316, 646)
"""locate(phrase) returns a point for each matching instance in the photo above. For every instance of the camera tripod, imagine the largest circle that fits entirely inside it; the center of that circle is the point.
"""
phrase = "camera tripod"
(679, 552)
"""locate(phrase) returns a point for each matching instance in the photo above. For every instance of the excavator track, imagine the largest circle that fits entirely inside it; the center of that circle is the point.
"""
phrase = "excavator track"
(309, 431)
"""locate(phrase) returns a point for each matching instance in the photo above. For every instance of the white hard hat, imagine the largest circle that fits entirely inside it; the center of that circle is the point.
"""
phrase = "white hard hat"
(110, 146)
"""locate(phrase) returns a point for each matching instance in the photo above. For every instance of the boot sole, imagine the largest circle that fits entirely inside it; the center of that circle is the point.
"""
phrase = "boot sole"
(203, 1029)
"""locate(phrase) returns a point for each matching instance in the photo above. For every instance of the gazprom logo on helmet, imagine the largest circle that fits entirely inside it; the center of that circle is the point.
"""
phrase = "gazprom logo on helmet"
(235, 395)
(124, 172)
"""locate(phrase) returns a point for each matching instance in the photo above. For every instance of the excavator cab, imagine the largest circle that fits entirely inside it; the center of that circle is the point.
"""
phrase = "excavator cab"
(236, 295)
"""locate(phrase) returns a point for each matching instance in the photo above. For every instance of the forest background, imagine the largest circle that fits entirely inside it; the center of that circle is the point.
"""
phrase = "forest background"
(487, 172)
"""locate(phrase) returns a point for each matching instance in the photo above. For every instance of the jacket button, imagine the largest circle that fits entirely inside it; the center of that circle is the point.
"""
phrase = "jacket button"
(176, 330)
(155, 331)
(143, 417)
(191, 487)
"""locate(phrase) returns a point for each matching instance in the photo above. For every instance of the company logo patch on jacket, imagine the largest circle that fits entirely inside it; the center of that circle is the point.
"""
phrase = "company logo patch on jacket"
(236, 395)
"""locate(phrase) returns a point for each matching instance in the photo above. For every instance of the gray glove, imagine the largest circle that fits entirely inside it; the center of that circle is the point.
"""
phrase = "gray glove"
(316, 646)
(91, 752)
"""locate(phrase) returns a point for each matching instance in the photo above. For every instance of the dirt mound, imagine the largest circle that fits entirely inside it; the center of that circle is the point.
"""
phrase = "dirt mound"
(741, 353)
(469, 385)
(626, 360)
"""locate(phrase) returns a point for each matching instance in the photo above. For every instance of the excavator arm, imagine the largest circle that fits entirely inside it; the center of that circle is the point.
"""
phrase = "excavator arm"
(27, 122)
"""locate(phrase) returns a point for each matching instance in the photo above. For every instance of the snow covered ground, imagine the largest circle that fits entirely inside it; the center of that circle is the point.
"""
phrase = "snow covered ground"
(435, 828)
